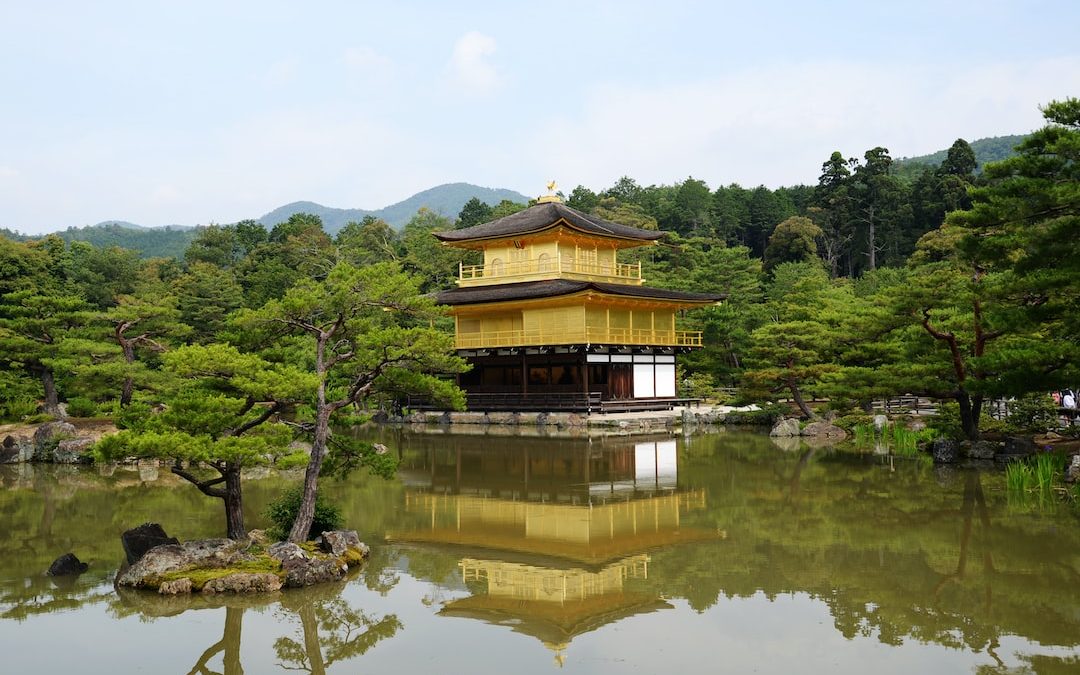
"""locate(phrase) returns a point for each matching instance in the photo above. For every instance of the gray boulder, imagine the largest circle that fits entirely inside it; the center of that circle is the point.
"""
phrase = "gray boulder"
(302, 569)
(175, 587)
(1072, 472)
(15, 449)
(337, 542)
(73, 451)
(48, 436)
(1018, 446)
(945, 451)
(284, 551)
(824, 430)
(201, 553)
(983, 450)
(786, 427)
(880, 422)
(311, 571)
(138, 540)
(244, 582)
(66, 565)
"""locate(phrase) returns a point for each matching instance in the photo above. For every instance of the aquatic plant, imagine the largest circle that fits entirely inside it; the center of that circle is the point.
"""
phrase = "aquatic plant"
(864, 434)
(1047, 466)
(1019, 477)
(1034, 478)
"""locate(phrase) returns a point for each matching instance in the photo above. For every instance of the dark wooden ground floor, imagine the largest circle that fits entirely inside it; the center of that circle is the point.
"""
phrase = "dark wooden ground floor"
(581, 379)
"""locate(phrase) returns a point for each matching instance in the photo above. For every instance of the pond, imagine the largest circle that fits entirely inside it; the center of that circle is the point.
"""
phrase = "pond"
(718, 552)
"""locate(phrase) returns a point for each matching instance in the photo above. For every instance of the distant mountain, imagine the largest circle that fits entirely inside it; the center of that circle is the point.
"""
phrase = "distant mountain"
(173, 240)
(444, 199)
(986, 150)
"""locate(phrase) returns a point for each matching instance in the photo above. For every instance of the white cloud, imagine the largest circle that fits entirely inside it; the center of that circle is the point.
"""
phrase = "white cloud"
(777, 125)
(470, 67)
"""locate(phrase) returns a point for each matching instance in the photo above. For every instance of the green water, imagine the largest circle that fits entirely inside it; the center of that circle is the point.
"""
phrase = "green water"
(495, 553)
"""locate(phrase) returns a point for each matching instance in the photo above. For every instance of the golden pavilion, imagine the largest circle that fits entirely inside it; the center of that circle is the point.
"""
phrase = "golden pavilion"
(551, 320)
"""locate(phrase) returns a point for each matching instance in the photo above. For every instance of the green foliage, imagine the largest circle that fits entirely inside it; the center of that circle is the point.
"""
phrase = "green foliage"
(700, 385)
(348, 455)
(157, 242)
(207, 294)
(474, 212)
(18, 395)
(984, 150)
(134, 417)
(793, 240)
(1034, 412)
(282, 512)
(851, 421)
(1019, 477)
(295, 460)
(767, 415)
(81, 407)
(17, 409)
(1035, 481)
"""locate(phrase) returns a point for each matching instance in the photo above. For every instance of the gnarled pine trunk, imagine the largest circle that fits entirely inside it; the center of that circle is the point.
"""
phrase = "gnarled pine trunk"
(52, 398)
(234, 507)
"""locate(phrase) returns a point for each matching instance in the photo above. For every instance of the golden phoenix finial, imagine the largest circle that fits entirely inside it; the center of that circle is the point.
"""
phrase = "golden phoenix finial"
(551, 186)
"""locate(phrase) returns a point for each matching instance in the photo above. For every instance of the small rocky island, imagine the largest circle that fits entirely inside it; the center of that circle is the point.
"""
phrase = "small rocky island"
(158, 562)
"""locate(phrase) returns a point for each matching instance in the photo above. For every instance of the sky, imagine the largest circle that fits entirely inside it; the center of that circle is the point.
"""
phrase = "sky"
(196, 112)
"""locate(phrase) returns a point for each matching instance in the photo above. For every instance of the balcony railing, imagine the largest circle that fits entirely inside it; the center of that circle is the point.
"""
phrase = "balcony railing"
(600, 336)
(469, 275)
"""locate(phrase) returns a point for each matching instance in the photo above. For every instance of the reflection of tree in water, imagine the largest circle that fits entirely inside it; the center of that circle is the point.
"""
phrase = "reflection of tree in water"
(330, 631)
(1036, 663)
(379, 573)
(229, 644)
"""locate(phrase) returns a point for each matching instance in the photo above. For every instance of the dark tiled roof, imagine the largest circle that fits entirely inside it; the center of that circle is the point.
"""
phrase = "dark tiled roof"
(542, 216)
(530, 290)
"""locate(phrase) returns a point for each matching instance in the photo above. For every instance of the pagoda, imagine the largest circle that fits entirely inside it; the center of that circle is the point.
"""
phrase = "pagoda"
(551, 320)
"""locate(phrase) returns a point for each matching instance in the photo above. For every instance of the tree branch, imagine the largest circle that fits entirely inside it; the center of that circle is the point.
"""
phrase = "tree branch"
(206, 487)
(251, 424)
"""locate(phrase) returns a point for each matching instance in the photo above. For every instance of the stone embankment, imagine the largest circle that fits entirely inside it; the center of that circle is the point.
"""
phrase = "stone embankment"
(986, 452)
(161, 563)
(790, 427)
(625, 422)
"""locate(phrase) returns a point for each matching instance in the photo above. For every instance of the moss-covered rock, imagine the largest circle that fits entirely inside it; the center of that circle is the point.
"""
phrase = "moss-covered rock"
(226, 566)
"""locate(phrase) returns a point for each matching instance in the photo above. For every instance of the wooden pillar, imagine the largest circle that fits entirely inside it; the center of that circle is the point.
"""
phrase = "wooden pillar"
(524, 373)
(585, 381)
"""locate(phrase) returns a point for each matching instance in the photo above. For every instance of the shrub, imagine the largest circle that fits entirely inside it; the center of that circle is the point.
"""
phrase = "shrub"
(134, 416)
(282, 512)
(17, 409)
(81, 407)
(1033, 412)
(766, 416)
(946, 423)
(848, 421)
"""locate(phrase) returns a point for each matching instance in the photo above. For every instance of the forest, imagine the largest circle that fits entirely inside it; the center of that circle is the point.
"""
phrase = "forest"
(949, 282)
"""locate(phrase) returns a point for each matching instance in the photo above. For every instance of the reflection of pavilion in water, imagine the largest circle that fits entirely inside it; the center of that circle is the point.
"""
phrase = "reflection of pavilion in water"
(564, 529)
